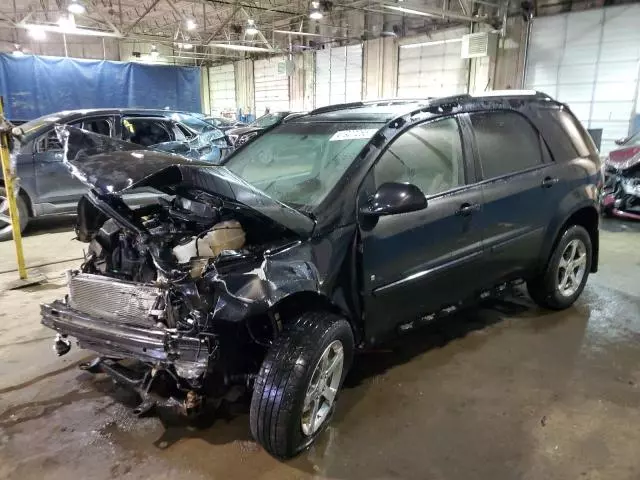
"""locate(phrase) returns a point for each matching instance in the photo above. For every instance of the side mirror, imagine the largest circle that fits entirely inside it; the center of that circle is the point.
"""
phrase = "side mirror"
(394, 198)
(621, 141)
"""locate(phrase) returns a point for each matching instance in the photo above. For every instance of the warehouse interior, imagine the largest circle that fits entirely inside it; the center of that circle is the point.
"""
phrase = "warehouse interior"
(503, 389)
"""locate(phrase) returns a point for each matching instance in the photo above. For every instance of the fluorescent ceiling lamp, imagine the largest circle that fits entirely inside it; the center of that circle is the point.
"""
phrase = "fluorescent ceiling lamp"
(75, 31)
(191, 25)
(316, 13)
(67, 22)
(410, 10)
(251, 28)
(37, 33)
(185, 46)
(433, 42)
(76, 7)
(304, 34)
(241, 48)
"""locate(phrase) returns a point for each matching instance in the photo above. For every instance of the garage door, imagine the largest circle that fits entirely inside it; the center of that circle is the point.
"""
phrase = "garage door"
(222, 89)
(434, 69)
(338, 75)
(271, 86)
(589, 60)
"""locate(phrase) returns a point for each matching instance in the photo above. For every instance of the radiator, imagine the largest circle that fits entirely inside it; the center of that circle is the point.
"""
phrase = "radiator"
(115, 300)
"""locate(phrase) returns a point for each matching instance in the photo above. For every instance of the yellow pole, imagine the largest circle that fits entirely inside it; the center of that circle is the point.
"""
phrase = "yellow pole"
(8, 186)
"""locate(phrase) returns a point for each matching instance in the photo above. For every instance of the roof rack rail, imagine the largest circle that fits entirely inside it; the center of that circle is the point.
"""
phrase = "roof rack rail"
(366, 103)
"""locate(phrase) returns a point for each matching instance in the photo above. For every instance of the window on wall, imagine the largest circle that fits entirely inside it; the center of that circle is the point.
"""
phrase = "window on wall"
(428, 156)
(506, 142)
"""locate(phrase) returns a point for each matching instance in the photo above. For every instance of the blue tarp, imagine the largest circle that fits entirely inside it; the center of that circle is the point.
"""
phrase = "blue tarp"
(33, 86)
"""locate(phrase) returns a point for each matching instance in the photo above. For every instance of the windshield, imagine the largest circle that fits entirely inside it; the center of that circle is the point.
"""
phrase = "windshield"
(299, 163)
(269, 119)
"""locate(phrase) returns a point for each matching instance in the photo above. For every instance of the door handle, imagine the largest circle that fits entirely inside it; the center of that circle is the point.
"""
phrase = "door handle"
(549, 182)
(468, 209)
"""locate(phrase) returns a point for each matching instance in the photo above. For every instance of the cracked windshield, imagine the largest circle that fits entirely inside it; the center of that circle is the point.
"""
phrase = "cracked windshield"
(299, 163)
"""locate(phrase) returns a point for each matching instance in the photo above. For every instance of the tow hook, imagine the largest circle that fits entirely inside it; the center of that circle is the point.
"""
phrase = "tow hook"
(61, 345)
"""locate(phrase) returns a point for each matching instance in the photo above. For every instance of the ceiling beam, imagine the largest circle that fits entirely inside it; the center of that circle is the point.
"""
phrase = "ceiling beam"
(147, 10)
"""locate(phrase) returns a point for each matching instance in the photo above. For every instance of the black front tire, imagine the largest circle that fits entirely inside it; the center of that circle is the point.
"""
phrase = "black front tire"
(281, 385)
(6, 232)
(543, 288)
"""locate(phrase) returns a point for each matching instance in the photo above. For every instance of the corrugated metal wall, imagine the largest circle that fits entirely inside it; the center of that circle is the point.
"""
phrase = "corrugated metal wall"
(222, 88)
(590, 60)
(434, 69)
(271, 85)
(338, 75)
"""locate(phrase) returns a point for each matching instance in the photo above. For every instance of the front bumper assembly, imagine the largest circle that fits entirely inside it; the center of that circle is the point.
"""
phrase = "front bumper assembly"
(120, 340)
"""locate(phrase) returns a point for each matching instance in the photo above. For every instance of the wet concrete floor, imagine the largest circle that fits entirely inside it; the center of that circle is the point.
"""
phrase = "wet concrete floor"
(503, 392)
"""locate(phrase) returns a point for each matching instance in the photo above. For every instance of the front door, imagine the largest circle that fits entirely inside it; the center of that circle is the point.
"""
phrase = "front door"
(417, 263)
(519, 185)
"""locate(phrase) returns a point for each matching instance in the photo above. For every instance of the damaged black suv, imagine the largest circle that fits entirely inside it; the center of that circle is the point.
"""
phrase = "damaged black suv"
(328, 234)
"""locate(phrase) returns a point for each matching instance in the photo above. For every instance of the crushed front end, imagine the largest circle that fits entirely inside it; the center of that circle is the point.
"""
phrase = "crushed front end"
(621, 194)
(175, 296)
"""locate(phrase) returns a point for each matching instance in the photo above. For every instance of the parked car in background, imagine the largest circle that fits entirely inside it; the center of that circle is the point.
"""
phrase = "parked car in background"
(371, 220)
(224, 124)
(47, 188)
(241, 135)
(621, 194)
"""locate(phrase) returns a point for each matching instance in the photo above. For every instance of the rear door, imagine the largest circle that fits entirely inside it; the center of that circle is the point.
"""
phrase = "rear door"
(55, 185)
(419, 262)
(518, 185)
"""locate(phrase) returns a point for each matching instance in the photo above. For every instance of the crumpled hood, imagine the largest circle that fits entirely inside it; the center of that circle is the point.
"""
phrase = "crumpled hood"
(112, 166)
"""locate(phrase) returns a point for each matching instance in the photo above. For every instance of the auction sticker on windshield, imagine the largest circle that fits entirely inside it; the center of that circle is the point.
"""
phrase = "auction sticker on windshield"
(353, 134)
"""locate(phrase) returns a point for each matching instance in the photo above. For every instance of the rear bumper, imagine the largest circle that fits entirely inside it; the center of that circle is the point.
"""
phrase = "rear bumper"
(124, 341)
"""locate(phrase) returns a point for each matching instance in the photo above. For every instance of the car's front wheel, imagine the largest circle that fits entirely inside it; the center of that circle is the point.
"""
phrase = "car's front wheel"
(296, 389)
(565, 275)
(6, 232)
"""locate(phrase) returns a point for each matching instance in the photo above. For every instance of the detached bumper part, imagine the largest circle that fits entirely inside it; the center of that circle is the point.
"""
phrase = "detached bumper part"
(119, 340)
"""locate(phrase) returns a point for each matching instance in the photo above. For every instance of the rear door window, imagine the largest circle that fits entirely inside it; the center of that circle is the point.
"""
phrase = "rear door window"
(506, 142)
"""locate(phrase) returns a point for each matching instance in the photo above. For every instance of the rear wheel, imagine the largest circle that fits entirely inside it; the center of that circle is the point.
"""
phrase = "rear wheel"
(6, 232)
(297, 386)
(565, 275)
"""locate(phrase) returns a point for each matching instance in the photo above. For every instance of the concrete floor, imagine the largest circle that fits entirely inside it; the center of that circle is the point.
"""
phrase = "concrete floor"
(498, 393)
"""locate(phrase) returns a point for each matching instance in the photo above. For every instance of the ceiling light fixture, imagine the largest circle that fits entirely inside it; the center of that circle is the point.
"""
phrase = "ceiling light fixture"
(37, 33)
(67, 22)
(241, 48)
(76, 7)
(410, 10)
(251, 28)
(191, 25)
(185, 46)
(75, 31)
(315, 13)
(18, 51)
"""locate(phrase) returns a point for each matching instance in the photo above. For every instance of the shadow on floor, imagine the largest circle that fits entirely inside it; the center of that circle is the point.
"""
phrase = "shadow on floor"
(52, 224)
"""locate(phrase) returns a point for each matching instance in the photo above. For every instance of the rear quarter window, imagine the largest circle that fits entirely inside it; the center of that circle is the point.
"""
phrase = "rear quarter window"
(579, 137)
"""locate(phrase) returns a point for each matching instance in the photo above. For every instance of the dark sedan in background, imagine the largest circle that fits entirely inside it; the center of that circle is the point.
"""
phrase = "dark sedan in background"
(240, 136)
(47, 188)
